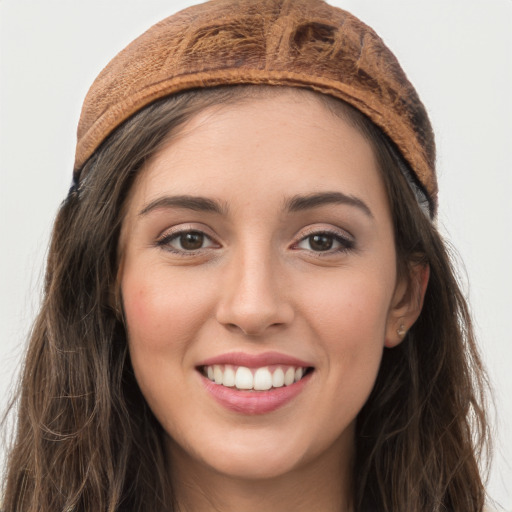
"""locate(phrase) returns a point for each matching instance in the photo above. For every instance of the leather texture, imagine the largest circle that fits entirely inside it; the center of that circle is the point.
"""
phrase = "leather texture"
(298, 43)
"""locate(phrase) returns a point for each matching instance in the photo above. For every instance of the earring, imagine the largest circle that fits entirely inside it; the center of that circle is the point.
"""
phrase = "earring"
(401, 331)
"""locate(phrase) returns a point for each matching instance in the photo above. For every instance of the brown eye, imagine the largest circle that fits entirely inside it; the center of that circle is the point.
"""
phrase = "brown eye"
(326, 242)
(186, 241)
(192, 240)
(321, 242)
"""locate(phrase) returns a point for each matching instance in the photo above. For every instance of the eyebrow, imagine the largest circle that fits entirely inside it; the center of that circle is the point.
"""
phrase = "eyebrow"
(315, 200)
(196, 203)
(294, 204)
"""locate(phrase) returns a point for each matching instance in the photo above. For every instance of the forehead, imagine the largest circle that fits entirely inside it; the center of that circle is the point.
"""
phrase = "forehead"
(272, 144)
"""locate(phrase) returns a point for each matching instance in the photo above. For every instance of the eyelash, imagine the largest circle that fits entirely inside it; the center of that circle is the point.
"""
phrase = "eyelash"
(165, 241)
(345, 244)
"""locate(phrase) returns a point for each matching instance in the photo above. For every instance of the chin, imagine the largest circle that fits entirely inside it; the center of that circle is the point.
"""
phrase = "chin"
(256, 466)
(264, 455)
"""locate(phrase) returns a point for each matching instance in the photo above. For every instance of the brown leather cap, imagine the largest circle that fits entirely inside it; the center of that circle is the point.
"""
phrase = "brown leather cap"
(299, 43)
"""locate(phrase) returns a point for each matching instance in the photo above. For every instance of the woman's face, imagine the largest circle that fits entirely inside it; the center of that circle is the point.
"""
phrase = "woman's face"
(259, 285)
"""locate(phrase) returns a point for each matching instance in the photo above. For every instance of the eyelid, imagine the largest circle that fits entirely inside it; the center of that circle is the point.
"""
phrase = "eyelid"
(322, 228)
(343, 237)
(174, 232)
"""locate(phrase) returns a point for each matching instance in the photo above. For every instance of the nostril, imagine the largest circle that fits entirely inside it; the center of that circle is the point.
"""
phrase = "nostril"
(252, 329)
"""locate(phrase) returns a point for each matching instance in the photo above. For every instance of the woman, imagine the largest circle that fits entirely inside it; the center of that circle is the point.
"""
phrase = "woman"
(247, 304)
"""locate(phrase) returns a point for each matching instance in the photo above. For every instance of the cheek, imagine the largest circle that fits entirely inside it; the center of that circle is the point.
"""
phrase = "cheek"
(144, 311)
(349, 317)
(162, 321)
(350, 309)
(160, 314)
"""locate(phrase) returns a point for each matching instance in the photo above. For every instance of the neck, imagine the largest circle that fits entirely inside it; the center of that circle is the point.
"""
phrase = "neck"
(322, 485)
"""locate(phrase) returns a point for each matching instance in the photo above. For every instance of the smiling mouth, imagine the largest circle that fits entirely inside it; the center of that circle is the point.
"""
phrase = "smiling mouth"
(254, 379)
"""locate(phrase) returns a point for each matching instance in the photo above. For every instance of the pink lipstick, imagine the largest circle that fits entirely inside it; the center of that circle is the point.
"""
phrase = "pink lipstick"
(254, 384)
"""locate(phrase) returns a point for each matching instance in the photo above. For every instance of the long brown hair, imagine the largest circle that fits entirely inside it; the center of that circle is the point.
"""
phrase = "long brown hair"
(86, 439)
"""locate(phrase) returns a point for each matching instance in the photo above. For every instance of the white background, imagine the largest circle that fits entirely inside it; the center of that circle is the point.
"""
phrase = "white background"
(458, 54)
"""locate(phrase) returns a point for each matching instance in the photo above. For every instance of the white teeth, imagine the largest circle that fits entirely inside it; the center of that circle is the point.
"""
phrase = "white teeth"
(229, 377)
(260, 379)
(217, 374)
(243, 378)
(289, 376)
(278, 378)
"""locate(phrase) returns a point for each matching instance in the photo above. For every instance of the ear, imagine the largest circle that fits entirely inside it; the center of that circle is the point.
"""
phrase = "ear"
(406, 304)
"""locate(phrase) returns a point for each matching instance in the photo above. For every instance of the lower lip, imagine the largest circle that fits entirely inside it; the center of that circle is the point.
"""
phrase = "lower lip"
(254, 402)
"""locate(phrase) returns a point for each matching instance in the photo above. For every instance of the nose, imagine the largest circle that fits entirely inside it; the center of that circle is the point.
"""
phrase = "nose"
(253, 297)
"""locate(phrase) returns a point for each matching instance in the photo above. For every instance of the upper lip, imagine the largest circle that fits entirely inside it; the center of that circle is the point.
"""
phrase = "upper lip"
(255, 360)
